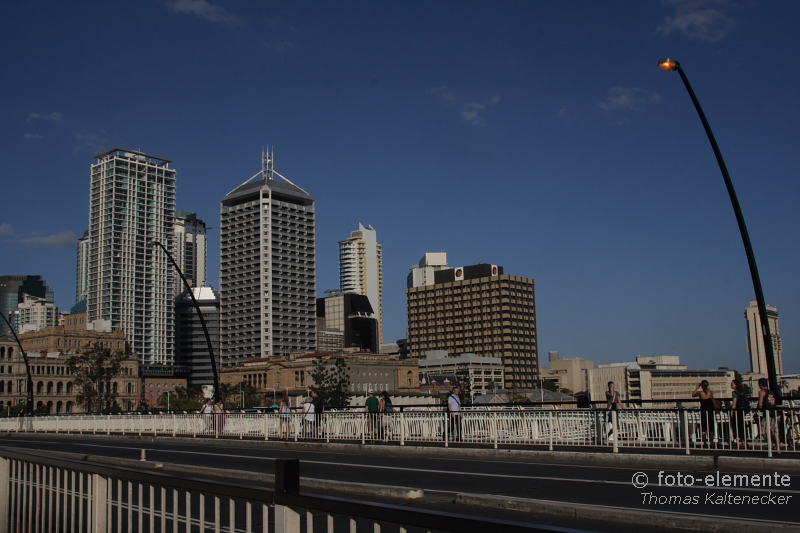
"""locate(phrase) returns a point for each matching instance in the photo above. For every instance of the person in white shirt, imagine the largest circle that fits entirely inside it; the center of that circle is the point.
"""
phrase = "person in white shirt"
(308, 418)
(454, 409)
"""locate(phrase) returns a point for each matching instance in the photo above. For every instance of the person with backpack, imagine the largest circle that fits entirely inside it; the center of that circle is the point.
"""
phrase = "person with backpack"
(740, 404)
(767, 404)
(386, 409)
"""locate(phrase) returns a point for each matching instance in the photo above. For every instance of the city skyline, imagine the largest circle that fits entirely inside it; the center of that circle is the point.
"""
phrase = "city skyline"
(541, 136)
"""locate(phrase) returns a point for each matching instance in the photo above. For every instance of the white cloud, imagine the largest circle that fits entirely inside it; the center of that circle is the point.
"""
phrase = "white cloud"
(52, 117)
(6, 229)
(704, 20)
(90, 142)
(204, 10)
(65, 239)
(31, 136)
(633, 98)
(471, 112)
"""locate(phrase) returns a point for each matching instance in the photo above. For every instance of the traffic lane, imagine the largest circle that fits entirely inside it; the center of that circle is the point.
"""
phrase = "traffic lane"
(365, 458)
(549, 482)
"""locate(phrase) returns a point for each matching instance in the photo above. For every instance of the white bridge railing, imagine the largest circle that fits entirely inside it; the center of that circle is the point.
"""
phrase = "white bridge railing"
(684, 429)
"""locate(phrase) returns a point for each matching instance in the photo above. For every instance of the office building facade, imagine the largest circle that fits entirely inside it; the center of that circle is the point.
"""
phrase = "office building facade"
(191, 347)
(131, 282)
(478, 309)
(361, 269)
(267, 269)
(350, 315)
(191, 252)
(755, 340)
(12, 291)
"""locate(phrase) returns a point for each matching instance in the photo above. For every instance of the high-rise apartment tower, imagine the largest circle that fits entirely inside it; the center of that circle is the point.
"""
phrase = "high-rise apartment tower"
(82, 269)
(478, 309)
(131, 282)
(267, 268)
(190, 250)
(755, 340)
(361, 269)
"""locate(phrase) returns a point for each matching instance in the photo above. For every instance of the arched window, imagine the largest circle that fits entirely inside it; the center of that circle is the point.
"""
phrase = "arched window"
(129, 388)
(59, 407)
(2, 352)
(50, 386)
(69, 406)
(39, 387)
(69, 388)
(10, 386)
(60, 388)
(10, 351)
(49, 407)
(2, 386)
(115, 386)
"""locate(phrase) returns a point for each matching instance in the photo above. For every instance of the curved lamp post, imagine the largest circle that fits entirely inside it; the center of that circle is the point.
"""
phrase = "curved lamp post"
(202, 320)
(27, 366)
(669, 64)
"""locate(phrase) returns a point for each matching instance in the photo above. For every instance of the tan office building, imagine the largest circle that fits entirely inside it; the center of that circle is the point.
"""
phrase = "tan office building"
(478, 309)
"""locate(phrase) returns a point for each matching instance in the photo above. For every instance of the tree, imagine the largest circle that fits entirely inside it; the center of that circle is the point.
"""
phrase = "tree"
(332, 382)
(184, 399)
(550, 385)
(464, 383)
(93, 368)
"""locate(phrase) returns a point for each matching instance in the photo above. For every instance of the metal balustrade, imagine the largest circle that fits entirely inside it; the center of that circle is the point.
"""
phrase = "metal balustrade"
(679, 429)
(39, 493)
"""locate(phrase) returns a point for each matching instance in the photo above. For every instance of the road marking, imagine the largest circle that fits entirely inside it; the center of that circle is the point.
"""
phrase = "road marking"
(431, 471)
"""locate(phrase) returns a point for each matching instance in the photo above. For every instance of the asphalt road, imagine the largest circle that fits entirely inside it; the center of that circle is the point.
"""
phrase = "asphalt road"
(443, 478)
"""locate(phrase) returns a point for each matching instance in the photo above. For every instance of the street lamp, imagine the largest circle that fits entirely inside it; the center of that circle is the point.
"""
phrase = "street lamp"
(669, 64)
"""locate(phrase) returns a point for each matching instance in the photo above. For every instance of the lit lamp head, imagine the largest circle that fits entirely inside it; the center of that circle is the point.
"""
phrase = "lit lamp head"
(669, 64)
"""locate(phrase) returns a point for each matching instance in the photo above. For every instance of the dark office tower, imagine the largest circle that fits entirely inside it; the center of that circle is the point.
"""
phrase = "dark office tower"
(12, 289)
(131, 282)
(191, 347)
(477, 309)
(267, 268)
(190, 250)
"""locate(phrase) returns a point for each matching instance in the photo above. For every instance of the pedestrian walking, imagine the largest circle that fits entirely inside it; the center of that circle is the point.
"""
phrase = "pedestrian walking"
(386, 409)
(740, 404)
(208, 409)
(308, 418)
(319, 409)
(371, 406)
(219, 417)
(454, 410)
(767, 404)
(613, 403)
(706, 396)
(285, 417)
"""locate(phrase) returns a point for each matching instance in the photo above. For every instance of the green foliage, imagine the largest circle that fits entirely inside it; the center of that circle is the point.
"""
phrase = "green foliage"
(231, 395)
(332, 383)
(549, 385)
(184, 399)
(15, 410)
(93, 368)
(464, 383)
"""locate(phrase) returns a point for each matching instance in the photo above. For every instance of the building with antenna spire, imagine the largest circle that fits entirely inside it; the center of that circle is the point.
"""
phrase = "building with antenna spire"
(267, 268)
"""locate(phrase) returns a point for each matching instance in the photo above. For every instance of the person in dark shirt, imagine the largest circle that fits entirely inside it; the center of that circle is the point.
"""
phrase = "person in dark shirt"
(318, 411)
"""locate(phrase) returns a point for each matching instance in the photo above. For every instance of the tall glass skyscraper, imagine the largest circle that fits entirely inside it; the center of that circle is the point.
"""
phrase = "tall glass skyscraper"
(131, 283)
(361, 269)
(267, 269)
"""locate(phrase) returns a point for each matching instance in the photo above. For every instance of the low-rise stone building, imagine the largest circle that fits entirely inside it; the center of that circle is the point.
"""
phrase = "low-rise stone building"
(48, 352)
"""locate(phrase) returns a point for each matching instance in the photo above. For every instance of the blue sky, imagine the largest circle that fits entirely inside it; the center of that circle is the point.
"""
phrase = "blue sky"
(540, 136)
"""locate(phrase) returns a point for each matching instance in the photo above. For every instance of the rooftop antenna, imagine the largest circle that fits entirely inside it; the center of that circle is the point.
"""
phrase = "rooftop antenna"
(267, 169)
